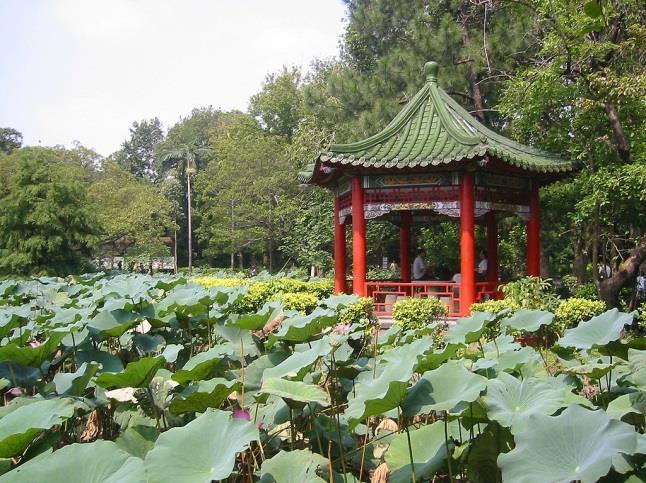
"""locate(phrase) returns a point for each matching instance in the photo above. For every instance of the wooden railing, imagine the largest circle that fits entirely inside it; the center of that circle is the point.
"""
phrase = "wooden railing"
(385, 293)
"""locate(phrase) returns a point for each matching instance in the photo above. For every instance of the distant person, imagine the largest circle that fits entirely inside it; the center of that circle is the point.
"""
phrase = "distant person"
(483, 265)
(457, 279)
(419, 266)
(393, 267)
(641, 285)
(605, 271)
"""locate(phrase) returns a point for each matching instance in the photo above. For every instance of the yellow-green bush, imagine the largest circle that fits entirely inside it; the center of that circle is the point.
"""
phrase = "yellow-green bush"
(495, 306)
(359, 313)
(572, 311)
(416, 313)
(260, 292)
(210, 282)
(301, 301)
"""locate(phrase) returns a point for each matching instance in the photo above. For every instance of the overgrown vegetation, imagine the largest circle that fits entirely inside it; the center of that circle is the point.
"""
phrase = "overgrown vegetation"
(144, 378)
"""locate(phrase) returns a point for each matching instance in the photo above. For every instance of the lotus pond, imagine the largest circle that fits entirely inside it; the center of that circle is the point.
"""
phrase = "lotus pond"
(147, 379)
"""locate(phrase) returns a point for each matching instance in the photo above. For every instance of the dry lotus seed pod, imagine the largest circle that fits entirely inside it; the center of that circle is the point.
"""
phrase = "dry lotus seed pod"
(387, 424)
(380, 475)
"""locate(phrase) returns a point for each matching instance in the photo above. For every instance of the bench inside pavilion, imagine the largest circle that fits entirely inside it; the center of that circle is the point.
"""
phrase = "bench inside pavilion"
(434, 160)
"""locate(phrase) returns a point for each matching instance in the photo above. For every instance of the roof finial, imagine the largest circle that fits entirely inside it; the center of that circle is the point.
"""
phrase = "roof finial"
(431, 68)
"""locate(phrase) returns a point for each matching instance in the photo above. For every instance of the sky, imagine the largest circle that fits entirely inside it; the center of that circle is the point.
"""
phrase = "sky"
(84, 70)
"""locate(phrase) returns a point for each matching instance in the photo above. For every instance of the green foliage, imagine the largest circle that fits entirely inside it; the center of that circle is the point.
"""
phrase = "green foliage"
(570, 312)
(358, 313)
(208, 384)
(495, 306)
(530, 293)
(10, 139)
(417, 313)
(130, 210)
(137, 154)
(47, 223)
(300, 301)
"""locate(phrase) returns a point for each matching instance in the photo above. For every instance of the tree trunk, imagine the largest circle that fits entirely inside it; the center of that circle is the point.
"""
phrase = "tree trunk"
(579, 260)
(623, 148)
(190, 226)
(175, 251)
(624, 276)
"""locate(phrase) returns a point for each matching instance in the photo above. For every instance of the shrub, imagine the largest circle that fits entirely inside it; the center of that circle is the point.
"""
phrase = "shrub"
(586, 291)
(531, 293)
(416, 313)
(572, 311)
(359, 313)
(210, 282)
(495, 306)
(301, 301)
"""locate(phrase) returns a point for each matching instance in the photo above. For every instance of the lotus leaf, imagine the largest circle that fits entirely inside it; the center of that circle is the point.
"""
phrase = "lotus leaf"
(578, 444)
(112, 323)
(298, 363)
(637, 365)
(138, 440)
(201, 365)
(598, 331)
(304, 327)
(634, 402)
(74, 384)
(450, 388)
(31, 356)
(469, 329)
(435, 358)
(253, 373)
(429, 452)
(19, 375)
(202, 451)
(511, 401)
(240, 340)
(21, 426)
(202, 395)
(298, 466)
(295, 391)
(381, 394)
(528, 320)
(171, 351)
(109, 362)
(136, 374)
(98, 462)
(337, 302)
(255, 321)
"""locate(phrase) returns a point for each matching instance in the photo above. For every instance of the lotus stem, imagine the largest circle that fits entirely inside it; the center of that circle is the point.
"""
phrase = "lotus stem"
(363, 451)
(410, 453)
(446, 443)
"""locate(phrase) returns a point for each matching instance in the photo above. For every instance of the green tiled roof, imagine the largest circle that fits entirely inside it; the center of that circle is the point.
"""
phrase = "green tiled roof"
(432, 130)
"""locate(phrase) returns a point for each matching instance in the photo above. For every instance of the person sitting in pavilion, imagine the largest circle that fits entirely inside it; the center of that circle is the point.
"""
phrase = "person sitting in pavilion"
(419, 266)
(483, 265)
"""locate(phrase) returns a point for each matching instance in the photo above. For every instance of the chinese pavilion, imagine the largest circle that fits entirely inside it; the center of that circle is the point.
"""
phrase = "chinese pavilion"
(433, 160)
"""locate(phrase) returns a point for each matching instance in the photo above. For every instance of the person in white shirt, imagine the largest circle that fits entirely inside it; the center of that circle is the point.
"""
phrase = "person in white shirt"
(419, 266)
(456, 278)
(481, 271)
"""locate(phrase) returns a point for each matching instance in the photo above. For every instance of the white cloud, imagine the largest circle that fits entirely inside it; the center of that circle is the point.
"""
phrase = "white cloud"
(86, 69)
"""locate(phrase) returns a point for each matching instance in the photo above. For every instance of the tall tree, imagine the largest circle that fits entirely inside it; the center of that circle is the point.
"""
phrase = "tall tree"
(47, 224)
(10, 139)
(185, 156)
(582, 93)
(130, 210)
(245, 193)
(279, 104)
(137, 153)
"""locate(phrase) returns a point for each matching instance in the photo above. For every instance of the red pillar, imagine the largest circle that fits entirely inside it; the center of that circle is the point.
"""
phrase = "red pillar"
(467, 243)
(358, 238)
(534, 234)
(492, 247)
(404, 245)
(339, 250)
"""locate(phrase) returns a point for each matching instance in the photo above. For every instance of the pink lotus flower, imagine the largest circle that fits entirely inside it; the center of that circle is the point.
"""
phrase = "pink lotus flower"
(342, 328)
(34, 343)
(241, 414)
